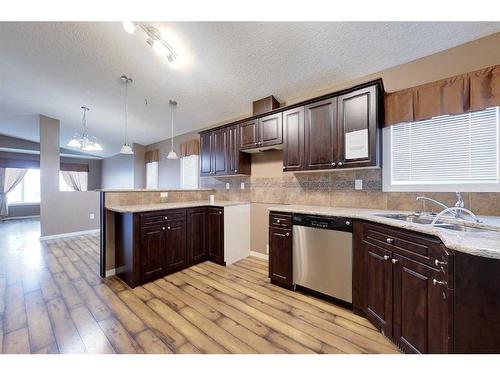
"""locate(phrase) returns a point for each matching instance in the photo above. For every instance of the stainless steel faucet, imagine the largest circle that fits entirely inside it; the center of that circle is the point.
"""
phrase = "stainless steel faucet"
(459, 204)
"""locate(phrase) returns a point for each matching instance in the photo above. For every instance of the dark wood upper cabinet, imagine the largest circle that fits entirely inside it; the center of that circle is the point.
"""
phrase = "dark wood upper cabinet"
(206, 157)
(249, 134)
(176, 245)
(238, 162)
(321, 134)
(293, 139)
(197, 234)
(358, 129)
(271, 130)
(421, 315)
(220, 152)
(215, 229)
(152, 242)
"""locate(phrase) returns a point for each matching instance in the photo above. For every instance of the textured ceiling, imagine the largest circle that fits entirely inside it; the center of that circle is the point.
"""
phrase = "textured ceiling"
(54, 68)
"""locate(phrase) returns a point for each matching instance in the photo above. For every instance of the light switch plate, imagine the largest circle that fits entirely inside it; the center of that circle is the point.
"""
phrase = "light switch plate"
(164, 194)
(242, 186)
(92, 216)
(227, 185)
(358, 184)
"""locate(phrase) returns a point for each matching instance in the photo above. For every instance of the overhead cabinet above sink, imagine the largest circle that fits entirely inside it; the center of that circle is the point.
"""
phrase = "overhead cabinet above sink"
(335, 131)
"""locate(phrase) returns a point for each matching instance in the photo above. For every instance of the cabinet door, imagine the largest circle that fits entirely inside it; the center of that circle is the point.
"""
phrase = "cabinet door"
(197, 234)
(280, 256)
(293, 139)
(175, 245)
(152, 253)
(358, 130)
(233, 149)
(215, 229)
(219, 153)
(249, 134)
(271, 130)
(378, 279)
(206, 146)
(420, 308)
(321, 134)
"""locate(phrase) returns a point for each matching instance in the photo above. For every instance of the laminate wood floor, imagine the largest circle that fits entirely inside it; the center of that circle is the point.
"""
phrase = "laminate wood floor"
(52, 300)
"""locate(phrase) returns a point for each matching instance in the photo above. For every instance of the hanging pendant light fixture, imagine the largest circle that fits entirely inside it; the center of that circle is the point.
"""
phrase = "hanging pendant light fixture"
(126, 149)
(172, 154)
(83, 140)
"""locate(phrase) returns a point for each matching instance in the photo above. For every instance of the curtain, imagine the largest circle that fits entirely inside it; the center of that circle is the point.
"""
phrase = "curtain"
(191, 147)
(76, 180)
(468, 92)
(9, 179)
(152, 156)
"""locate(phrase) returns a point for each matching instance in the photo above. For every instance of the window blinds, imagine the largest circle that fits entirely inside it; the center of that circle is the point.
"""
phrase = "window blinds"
(447, 149)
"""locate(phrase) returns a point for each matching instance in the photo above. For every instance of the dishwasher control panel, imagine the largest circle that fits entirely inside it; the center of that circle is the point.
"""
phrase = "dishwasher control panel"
(323, 222)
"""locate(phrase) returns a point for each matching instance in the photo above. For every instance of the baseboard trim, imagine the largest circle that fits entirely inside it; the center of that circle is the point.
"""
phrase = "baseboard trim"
(20, 217)
(259, 255)
(111, 272)
(70, 234)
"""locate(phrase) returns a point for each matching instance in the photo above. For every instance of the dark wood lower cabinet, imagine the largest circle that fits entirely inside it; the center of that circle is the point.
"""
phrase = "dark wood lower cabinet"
(280, 249)
(154, 244)
(215, 229)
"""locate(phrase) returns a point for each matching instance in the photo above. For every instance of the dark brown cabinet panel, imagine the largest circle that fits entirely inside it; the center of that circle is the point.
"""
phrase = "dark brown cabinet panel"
(357, 126)
(420, 307)
(238, 162)
(280, 256)
(152, 264)
(293, 139)
(271, 130)
(320, 134)
(379, 287)
(220, 152)
(206, 151)
(249, 134)
(197, 234)
(215, 229)
(176, 245)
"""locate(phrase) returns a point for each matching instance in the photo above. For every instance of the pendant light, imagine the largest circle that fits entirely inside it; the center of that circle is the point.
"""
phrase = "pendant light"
(172, 154)
(126, 149)
(83, 140)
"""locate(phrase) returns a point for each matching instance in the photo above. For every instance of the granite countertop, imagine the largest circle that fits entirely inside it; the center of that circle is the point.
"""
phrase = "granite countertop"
(168, 206)
(485, 244)
(150, 190)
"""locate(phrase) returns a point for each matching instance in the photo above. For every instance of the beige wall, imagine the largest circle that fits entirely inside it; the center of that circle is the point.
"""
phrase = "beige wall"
(61, 212)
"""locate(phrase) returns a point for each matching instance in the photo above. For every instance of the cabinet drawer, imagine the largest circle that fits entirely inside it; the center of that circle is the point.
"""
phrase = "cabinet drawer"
(159, 217)
(280, 220)
(422, 248)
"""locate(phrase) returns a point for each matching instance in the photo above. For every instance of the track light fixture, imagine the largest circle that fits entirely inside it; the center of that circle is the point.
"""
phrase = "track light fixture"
(154, 39)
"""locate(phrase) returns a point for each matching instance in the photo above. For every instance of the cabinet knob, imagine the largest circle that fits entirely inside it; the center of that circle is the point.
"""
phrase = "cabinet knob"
(256, 143)
(437, 282)
(166, 217)
(340, 164)
(220, 212)
(235, 171)
(162, 228)
(389, 240)
(387, 257)
(278, 221)
(439, 263)
(347, 223)
(333, 164)
(287, 234)
(284, 168)
(168, 227)
(394, 261)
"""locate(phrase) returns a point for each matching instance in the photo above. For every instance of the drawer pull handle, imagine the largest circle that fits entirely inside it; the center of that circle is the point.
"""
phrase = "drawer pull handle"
(437, 282)
(389, 240)
(440, 263)
(394, 261)
(386, 257)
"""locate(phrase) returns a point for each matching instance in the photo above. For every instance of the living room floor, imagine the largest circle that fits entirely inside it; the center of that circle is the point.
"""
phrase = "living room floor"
(52, 300)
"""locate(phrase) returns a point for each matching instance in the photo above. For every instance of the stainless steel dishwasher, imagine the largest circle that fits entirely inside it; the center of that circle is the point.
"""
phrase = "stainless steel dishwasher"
(322, 255)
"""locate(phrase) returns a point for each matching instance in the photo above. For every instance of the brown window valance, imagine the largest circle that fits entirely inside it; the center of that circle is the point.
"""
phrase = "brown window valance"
(464, 93)
(74, 167)
(152, 156)
(191, 147)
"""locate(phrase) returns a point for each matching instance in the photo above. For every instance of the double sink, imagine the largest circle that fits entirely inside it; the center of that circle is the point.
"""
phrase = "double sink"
(427, 218)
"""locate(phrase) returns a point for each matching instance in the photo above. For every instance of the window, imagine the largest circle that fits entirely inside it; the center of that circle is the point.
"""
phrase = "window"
(190, 171)
(152, 175)
(28, 190)
(78, 181)
(445, 153)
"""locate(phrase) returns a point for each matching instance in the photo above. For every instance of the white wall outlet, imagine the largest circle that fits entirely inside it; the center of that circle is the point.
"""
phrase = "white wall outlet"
(358, 184)
(92, 216)
(227, 186)
(164, 194)
(242, 186)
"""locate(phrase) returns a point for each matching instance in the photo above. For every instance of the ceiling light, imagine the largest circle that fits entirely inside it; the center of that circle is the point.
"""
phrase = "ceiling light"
(126, 149)
(129, 27)
(172, 154)
(83, 140)
(153, 38)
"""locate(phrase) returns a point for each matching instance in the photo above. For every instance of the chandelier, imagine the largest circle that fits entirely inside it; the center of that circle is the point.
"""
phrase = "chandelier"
(83, 140)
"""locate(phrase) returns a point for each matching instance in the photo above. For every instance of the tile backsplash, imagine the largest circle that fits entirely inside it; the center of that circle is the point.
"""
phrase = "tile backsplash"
(337, 189)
